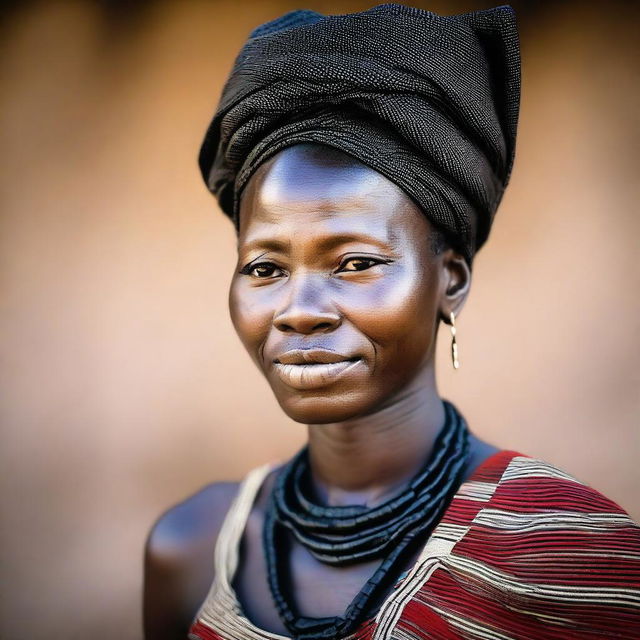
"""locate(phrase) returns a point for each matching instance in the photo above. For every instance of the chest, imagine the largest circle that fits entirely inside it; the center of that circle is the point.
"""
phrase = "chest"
(319, 590)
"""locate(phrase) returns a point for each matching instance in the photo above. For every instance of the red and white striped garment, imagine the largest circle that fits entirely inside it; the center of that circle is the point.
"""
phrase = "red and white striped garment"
(524, 551)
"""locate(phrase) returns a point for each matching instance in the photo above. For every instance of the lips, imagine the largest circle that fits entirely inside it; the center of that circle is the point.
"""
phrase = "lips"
(313, 368)
(312, 356)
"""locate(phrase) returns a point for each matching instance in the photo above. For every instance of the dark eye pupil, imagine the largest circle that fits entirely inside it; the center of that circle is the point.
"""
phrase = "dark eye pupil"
(264, 270)
(361, 265)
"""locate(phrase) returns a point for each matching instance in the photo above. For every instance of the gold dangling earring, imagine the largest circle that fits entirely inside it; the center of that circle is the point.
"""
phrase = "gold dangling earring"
(454, 343)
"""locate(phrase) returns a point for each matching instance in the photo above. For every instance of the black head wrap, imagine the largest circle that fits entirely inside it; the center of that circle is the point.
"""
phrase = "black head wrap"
(430, 102)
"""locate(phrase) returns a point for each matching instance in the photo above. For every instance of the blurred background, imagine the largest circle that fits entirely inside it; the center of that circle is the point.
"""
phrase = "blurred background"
(124, 387)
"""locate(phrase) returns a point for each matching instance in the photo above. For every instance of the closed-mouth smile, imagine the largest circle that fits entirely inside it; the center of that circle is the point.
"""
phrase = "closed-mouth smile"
(312, 368)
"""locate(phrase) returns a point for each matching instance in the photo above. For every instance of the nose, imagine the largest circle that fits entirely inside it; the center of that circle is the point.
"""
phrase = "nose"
(307, 308)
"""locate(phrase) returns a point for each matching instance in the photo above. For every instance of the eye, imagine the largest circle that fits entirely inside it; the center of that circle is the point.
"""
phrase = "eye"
(359, 263)
(262, 270)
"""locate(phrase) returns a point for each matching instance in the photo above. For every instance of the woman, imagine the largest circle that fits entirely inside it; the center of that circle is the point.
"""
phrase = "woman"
(362, 158)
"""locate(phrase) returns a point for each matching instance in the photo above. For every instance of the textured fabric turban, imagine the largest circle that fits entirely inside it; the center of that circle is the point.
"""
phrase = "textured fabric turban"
(430, 102)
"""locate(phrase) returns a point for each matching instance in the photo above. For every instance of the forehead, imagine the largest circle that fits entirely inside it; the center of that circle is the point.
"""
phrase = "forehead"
(311, 187)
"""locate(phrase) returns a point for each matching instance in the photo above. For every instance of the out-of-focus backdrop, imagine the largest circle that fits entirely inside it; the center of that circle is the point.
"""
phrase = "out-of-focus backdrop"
(123, 385)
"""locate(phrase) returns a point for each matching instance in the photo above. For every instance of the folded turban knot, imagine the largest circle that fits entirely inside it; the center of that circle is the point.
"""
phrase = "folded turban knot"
(430, 102)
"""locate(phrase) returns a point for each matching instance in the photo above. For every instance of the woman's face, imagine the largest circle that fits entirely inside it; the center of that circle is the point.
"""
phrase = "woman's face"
(337, 293)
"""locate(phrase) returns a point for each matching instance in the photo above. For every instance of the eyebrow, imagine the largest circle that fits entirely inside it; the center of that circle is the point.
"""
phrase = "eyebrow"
(325, 243)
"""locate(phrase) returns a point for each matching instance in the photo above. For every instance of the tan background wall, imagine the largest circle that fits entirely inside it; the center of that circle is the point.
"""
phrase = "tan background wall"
(123, 385)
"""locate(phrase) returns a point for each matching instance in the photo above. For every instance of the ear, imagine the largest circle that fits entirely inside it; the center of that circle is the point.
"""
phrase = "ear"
(455, 285)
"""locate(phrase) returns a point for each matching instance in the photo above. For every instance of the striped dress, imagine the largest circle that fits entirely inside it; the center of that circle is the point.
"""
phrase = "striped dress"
(524, 551)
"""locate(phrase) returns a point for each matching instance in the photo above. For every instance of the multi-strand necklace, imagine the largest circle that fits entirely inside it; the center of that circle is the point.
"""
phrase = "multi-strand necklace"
(341, 536)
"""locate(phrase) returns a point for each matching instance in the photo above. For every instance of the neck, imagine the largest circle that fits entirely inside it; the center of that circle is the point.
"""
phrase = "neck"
(367, 459)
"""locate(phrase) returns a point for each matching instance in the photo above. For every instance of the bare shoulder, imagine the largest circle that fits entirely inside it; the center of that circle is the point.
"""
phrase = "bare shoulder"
(178, 564)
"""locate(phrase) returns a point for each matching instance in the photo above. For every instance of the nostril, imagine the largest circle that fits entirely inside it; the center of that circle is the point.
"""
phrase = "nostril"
(321, 326)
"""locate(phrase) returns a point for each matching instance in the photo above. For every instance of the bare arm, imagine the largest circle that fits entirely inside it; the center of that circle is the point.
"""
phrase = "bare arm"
(178, 562)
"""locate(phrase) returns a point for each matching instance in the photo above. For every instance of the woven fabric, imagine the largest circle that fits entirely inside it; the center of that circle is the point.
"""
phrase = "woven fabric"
(430, 102)
(524, 552)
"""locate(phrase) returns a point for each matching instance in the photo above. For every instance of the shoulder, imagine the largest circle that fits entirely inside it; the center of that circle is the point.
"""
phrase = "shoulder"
(559, 529)
(178, 566)
(535, 486)
(554, 547)
(195, 520)
(511, 494)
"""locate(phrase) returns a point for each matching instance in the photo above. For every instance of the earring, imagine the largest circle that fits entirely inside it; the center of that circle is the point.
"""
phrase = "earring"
(454, 343)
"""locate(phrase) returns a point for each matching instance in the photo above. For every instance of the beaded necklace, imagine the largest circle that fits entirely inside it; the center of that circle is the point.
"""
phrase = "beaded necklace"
(341, 536)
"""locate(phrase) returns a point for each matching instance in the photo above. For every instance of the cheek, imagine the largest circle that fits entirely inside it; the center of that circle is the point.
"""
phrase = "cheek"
(400, 312)
(251, 319)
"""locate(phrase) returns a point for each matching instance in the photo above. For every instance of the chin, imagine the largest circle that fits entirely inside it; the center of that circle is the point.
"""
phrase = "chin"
(318, 409)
